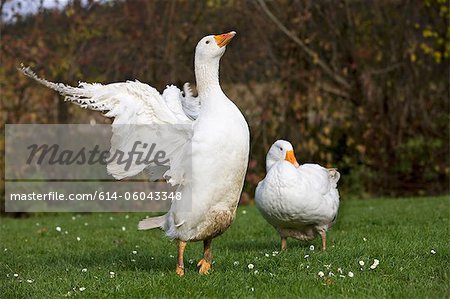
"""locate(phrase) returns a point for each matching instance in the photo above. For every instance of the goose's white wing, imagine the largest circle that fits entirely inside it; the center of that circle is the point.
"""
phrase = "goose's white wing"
(191, 104)
(319, 179)
(320, 183)
(133, 104)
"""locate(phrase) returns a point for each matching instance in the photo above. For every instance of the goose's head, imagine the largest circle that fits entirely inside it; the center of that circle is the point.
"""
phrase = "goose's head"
(279, 151)
(212, 47)
(207, 57)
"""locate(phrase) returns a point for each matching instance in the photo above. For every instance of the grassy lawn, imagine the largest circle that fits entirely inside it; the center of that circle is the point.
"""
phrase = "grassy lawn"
(400, 233)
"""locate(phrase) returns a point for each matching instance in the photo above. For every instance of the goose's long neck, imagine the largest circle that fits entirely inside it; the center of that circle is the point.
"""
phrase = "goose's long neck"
(207, 77)
(270, 161)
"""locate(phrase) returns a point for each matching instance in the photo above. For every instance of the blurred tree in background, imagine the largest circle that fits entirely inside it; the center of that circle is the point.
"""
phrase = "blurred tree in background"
(358, 85)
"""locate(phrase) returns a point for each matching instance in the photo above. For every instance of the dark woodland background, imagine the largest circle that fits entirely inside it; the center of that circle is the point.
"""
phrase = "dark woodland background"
(358, 85)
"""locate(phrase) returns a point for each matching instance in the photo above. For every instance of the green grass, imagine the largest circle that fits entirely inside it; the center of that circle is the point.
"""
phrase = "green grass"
(399, 232)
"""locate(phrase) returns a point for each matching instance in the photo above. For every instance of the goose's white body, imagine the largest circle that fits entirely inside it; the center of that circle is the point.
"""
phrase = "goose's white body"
(298, 201)
(220, 147)
(214, 138)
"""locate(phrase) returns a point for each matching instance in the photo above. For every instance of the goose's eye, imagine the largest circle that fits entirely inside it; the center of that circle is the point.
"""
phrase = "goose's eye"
(207, 41)
(281, 149)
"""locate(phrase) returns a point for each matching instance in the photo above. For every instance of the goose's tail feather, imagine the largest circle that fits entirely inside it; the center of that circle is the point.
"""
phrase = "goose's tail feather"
(334, 175)
(153, 222)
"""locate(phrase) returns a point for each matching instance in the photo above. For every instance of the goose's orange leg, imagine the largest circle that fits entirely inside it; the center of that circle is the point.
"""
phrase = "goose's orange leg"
(180, 263)
(323, 235)
(206, 262)
(283, 243)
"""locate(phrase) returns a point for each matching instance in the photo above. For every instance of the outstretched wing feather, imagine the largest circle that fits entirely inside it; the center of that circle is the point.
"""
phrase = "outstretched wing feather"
(132, 104)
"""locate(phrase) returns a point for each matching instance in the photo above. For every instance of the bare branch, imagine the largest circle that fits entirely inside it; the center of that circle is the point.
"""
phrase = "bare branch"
(336, 77)
(386, 69)
(335, 91)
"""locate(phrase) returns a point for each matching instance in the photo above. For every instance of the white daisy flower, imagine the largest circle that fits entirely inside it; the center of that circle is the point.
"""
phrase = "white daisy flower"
(84, 270)
(375, 264)
(306, 256)
(30, 280)
(78, 239)
(321, 274)
(250, 266)
(112, 274)
(361, 263)
(134, 252)
(364, 239)
(311, 247)
(16, 275)
(267, 255)
(124, 228)
(58, 228)
(82, 289)
(433, 251)
(350, 274)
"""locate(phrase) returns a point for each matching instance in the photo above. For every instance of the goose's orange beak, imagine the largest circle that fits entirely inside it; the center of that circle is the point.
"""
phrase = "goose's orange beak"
(290, 157)
(223, 39)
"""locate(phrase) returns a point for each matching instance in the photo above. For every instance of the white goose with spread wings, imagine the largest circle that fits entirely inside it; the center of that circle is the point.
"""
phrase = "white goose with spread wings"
(300, 201)
(217, 144)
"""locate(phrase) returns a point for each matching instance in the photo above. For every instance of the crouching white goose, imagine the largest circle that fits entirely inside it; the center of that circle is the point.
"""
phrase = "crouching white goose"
(218, 144)
(300, 201)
